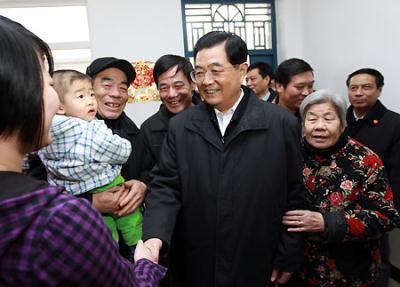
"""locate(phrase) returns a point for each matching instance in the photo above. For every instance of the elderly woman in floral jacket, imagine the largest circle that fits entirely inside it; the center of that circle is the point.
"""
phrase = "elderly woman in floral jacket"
(351, 203)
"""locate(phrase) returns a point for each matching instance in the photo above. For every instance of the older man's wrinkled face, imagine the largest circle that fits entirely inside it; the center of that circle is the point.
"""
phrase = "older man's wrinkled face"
(322, 128)
(110, 87)
(218, 80)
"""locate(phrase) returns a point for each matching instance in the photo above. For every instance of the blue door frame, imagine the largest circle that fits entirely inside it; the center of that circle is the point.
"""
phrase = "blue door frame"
(264, 55)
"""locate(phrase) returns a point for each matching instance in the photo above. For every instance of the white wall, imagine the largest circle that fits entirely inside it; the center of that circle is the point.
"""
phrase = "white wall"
(335, 37)
(139, 112)
(136, 30)
(289, 29)
(341, 36)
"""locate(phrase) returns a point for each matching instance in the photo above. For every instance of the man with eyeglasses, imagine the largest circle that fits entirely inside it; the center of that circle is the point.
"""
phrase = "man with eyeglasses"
(228, 170)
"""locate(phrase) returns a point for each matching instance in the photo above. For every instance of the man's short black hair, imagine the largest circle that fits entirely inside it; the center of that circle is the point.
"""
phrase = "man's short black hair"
(166, 62)
(263, 68)
(289, 68)
(235, 47)
(375, 73)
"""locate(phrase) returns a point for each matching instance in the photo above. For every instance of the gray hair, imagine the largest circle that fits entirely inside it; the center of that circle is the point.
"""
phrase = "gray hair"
(322, 97)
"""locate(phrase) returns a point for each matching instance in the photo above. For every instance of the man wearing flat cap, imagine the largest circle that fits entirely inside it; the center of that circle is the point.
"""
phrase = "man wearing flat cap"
(111, 78)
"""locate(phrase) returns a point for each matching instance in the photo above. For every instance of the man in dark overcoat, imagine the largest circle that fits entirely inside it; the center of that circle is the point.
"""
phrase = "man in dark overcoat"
(372, 124)
(229, 168)
(258, 78)
(171, 74)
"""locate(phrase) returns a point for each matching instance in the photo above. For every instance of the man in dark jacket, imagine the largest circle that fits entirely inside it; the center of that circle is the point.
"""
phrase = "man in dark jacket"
(294, 80)
(372, 124)
(171, 74)
(229, 168)
(111, 78)
(258, 78)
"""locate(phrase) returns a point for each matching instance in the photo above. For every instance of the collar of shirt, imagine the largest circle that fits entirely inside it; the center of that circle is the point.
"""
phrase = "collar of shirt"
(265, 98)
(372, 117)
(225, 118)
(356, 117)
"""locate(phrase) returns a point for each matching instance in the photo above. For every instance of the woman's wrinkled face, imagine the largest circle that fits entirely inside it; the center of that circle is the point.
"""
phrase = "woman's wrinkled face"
(322, 127)
(51, 104)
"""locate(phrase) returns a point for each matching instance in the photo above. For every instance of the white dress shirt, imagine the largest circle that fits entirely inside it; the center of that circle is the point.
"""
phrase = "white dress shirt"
(225, 118)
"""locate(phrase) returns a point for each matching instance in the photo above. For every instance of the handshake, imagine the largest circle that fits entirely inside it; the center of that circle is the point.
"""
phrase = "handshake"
(149, 250)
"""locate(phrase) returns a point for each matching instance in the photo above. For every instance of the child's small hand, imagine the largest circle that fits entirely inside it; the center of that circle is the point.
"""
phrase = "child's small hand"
(142, 251)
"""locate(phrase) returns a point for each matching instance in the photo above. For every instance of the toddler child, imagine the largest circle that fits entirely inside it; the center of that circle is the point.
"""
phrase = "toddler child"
(85, 156)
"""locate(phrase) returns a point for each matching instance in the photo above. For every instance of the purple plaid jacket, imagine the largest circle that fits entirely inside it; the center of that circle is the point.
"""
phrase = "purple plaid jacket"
(51, 239)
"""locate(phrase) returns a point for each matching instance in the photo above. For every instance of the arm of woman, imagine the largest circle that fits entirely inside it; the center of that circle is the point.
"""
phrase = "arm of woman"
(304, 221)
(372, 213)
(76, 249)
(394, 171)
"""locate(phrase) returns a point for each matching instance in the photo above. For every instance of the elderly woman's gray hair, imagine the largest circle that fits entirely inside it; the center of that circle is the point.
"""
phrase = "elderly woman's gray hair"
(322, 97)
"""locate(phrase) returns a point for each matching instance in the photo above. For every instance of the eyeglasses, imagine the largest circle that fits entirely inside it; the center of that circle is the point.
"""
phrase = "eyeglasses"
(199, 74)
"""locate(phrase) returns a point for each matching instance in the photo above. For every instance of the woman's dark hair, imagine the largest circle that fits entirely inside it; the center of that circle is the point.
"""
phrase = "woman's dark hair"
(21, 83)
(235, 47)
(166, 62)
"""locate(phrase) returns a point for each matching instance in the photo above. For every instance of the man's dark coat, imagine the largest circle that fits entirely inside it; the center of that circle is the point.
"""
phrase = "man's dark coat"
(152, 133)
(227, 195)
(380, 131)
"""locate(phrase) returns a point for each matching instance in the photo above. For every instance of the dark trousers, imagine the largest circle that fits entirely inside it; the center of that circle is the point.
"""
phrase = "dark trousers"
(168, 280)
(294, 282)
(384, 270)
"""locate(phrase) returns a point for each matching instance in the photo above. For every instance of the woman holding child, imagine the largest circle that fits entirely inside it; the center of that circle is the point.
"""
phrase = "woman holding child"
(48, 238)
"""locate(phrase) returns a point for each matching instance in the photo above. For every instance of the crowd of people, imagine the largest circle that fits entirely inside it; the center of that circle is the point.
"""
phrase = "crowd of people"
(265, 184)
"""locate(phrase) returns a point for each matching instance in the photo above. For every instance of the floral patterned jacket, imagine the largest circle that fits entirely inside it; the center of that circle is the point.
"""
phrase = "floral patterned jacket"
(348, 185)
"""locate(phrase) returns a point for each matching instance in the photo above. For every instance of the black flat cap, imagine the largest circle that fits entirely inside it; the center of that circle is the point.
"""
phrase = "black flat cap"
(101, 64)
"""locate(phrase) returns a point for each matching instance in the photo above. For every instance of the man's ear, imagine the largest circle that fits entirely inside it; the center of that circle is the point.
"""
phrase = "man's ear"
(61, 110)
(268, 79)
(243, 70)
(193, 86)
(279, 88)
(380, 91)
